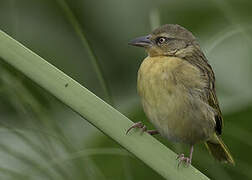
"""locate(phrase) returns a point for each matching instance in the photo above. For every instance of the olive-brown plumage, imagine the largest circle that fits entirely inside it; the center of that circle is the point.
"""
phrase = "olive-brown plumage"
(177, 89)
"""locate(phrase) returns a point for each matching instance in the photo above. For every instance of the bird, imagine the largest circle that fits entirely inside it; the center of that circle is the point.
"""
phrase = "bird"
(176, 85)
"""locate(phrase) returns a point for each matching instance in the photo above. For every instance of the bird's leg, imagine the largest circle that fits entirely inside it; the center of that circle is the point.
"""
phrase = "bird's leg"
(191, 153)
(140, 125)
(152, 132)
(187, 160)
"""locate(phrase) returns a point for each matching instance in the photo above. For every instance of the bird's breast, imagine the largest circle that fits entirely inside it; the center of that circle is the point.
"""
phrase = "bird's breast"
(159, 88)
(164, 85)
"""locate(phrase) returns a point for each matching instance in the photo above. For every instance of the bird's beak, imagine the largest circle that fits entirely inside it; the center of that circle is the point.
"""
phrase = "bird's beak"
(143, 41)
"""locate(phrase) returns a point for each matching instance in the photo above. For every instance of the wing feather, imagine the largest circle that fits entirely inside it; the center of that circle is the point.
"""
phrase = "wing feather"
(198, 59)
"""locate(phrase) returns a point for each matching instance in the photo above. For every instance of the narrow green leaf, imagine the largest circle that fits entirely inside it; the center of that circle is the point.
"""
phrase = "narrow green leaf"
(94, 60)
(14, 174)
(35, 148)
(95, 110)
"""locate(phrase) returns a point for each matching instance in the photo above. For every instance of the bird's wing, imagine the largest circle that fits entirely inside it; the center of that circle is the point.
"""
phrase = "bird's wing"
(210, 93)
(213, 102)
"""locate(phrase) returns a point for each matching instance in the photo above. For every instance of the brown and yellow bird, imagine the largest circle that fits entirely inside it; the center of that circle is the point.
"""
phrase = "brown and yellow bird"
(177, 89)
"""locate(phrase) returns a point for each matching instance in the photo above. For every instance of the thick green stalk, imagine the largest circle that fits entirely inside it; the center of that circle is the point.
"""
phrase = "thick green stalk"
(95, 110)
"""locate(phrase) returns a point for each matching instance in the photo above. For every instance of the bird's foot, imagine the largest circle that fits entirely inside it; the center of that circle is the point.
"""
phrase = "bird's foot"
(140, 125)
(183, 159)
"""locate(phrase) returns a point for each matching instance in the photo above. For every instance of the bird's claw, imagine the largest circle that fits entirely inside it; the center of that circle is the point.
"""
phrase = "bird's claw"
(139, 125)
(184, 159)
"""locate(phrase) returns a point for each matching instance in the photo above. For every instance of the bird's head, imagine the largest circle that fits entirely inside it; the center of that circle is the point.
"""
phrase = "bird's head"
(166, 40)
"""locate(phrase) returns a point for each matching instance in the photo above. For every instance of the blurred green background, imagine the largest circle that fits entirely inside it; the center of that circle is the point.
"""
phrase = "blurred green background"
(43, 139)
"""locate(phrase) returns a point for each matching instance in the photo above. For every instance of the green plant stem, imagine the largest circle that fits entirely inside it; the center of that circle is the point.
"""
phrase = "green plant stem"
(94, 60)
(95, 110)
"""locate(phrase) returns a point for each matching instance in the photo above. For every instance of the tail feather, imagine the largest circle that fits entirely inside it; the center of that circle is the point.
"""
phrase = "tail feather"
(219, 150)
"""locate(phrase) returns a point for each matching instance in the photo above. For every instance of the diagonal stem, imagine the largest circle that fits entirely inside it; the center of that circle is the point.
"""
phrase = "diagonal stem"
(94, 60)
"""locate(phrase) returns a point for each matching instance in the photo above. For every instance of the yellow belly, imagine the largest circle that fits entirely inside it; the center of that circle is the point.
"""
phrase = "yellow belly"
(170, 89)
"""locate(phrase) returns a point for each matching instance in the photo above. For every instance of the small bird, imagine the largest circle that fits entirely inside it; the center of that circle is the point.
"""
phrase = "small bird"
(177, 89)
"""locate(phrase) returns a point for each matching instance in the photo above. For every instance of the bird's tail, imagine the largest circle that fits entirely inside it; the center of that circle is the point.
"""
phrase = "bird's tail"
(219, 150)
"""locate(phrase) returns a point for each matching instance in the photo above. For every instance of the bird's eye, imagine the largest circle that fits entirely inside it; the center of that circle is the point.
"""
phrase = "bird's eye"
(161, 40)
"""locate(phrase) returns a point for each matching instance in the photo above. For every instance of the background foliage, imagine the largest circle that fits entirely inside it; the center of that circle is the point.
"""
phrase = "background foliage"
(43, 139)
